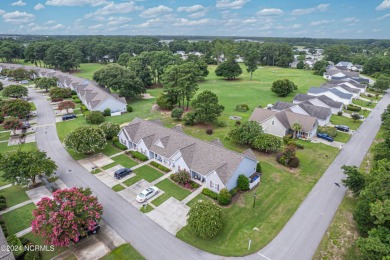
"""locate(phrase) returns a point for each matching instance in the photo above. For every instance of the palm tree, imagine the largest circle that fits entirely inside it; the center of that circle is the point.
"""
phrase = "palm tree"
(296, 127)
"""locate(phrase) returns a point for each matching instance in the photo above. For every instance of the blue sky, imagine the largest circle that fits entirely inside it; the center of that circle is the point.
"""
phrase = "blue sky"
(268, 18)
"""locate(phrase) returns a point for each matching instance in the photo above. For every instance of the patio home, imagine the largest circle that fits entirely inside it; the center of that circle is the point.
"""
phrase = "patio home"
(207, 162)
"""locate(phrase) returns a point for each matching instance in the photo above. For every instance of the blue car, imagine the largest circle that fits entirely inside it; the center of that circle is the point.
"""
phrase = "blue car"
(325, 136)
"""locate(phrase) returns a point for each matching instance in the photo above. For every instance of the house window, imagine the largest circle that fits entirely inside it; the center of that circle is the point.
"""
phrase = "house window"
(214, 185)
(273, 122)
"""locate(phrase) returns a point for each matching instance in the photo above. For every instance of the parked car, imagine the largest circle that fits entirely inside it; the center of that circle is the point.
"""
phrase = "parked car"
(68, 116)
(89, 232)
(343, 128)
(147, 194)
(25, 125)
(119, 174)
(325, 136)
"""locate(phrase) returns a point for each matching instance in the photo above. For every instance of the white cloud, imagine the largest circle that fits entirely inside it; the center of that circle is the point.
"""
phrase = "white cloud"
(75, 2)
(39, 7)
(2, 12)
(351, 20)
(45, 28)
(114, 20)
(231, 4)
(19, 3)
(384, 5)
(155, 11)
(186, 22)
(270, 11)
(383, 17)
(50, 22)
(97, 26)
(320, 8)
(113, 8)
(190, 9)
(18, 17)
(316, 23)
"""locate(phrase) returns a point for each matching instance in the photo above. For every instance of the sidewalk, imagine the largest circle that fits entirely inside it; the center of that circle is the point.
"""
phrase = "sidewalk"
(193, 195)
(24, 232)
(140, 165)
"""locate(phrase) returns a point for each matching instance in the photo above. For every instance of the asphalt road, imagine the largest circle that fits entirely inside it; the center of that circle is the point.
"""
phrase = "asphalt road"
(298, 240)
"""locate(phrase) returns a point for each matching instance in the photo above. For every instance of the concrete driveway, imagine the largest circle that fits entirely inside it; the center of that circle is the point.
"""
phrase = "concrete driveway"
(130, 193)
(333, 144)
(37, 194)
(98, 160)
(171, 215)
(107, 178)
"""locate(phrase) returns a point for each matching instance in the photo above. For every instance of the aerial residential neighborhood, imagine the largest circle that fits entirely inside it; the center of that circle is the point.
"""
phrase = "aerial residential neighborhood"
(197, 130)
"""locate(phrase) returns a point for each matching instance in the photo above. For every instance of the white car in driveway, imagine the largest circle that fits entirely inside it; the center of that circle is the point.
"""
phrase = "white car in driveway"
(147, 194)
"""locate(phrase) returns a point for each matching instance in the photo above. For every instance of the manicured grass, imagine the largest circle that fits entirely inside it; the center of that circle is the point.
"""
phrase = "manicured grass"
(341, 120)
(96, 171)
(19, 219)
(147, 209)
(132, 180)
(110, 149)
(87, 69)
(32, 105)
(196, 199)
(4, 136)
(279, 194)
(45, 254)
(372, 98)
(362, 112)
(160, 199)
(124, 160)
(125, 251)
(148, 173)
(108, 166)
(339, 240)
(25, 147)
(342, 137)
(172, 189)
(363, 103)
(14, 195)
(118, 187)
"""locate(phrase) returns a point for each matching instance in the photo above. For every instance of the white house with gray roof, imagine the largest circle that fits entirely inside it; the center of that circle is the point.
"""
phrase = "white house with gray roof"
(321, 101)
(334, 94)
(343, 88)
(208, 162)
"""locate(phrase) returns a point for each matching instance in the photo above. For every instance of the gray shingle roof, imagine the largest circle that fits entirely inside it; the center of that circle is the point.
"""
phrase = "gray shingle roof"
(316, 111)
(279, 105)
(334, 91)
(324, 99)
(4, 254)
(349, 89)
(200, 156)
(217, 141)
(355, 83)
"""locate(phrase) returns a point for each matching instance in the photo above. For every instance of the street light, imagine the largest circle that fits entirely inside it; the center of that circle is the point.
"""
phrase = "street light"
(254, 200)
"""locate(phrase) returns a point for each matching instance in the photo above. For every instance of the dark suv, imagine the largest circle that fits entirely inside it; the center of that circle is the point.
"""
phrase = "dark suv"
(343, 128)
(119, 174)
(68, 116)
(89, 232)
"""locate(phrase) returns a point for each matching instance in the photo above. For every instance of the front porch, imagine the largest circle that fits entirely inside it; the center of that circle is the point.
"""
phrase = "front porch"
(198, 178)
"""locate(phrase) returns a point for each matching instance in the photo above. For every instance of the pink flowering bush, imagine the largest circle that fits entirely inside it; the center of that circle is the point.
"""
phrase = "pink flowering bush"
(65, 217)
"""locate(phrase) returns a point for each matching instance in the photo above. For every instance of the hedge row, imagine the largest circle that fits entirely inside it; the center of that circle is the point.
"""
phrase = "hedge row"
(119, 145)
(139, 156)
(354, 108)
(160, 167)
(210, 193)
(224, 197)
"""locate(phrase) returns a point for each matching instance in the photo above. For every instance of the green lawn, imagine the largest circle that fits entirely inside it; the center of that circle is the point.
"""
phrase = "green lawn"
(14, 195)
(363, 103)
(19, 219)
(118, 187)
(372, 98)
(342, 137)
(199, 197)
(110, 149)
(148, 173)
(4, 136)
(125, 251)
(96, 171)
(25, 147)
(172, 189)
(147, 209)
(278, 196)
(45, 254)
(362, 112)
(342, 120)
(339, 240)
(132, 180)
(108, 166)
(124, 160)
(160, 199)
(87, 69)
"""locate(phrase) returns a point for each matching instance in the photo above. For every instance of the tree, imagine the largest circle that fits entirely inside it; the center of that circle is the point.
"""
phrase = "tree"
(296, 127)
(1, 86)
(246, 133)
(319, 67)
(382, 83)
(21, 167)
(206, 107)
(164, 101)
(67, 104)
(355, 180)
(251, 58)
(205, 219)
(17, 108)
(110, 129)
(229, 69)
(46, 83)
(300, 65)
(177, 113)
(243, 182)
(337, 53)
(67, 216)
(376, 245)
(355, 117)
(283, 87)
(141, 70)
(85, 139)
(56, 92)
(116, 77)
(267, 143)
(15, 91)
(12, 123)
(94, 117)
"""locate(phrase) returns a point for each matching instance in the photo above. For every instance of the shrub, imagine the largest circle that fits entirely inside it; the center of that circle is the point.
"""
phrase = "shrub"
(209, 193)
(74, 96)
(237, 123)
(1, 119)
(160, 167)
(354, 108)
(129, 108)
(221, 123)
(76, 100)
(14, 242)
(258, 167)
(296, 145)
(189, 119)
(32, 255)
(293, 162)
(209, 131)
(139, 156)
(2, 196)
(163, 102)
(243, 182)
(107, 112)
(224, 197)
(83, 108)
(115, 138)
(25, 240)
(287, 138)
(242, 108)
(369, 95)
(183, 177)
(95, 117)
(177, 113)
(340, 113)
(205, 219)
(73, 93)
(120, 146)
(278, 156)
(194, 185)
(3, 205)
(234, 191)
(110, 130)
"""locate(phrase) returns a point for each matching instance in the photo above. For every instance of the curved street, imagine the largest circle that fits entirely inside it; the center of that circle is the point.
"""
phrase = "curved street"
(298, 239)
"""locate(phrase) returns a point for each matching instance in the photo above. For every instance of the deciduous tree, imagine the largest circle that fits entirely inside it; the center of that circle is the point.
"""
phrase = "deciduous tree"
(16, 107)
(67, 104)
(229, 69)
(246, 133)
(355, 180)
(267, 143)
(85, 139)
(205, 219)
(283, 87)
(12, 123)
(15, 91)
(110, 129)
(46, 83)
(56, 92)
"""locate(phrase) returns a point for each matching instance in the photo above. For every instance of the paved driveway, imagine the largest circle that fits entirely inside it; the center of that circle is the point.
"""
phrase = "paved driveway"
(130, 193)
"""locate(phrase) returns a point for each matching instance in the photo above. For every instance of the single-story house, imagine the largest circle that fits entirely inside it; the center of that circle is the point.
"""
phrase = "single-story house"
(322, 114)
(347, 64)
(332, 93)
(334, 73)
(208, 162)
(352, 84)
(343, 88)
(321, 101)
(279, 123)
